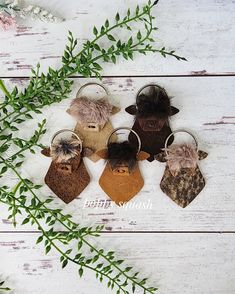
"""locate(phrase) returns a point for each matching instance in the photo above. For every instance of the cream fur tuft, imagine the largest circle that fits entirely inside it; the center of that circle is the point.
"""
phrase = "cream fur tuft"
(87, 110)
(181, 156)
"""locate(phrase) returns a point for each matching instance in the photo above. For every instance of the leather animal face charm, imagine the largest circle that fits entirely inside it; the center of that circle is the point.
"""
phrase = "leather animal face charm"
(93, 120)
(182, 180)
(121, 179)
(67, 176)
(152, 112)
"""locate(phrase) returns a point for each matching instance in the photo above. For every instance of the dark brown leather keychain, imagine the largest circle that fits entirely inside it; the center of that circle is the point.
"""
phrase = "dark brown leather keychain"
(93, 119)
(182, 180)
(152, 111)
(121, 179)
(67, 176)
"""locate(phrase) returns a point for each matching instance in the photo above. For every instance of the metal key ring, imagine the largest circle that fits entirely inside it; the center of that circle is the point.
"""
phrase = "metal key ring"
(129, 129)
(149, 85)
(67, 130)
(180, 131)
(90, 84)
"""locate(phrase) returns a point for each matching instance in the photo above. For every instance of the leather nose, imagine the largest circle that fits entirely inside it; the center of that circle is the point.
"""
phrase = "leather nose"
(151, 124)
(121, 171)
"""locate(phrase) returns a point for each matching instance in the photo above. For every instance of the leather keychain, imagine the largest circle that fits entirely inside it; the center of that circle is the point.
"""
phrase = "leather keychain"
(67, 176)
(152, 111)
(182, 180)
(121, 179)
(93, 119)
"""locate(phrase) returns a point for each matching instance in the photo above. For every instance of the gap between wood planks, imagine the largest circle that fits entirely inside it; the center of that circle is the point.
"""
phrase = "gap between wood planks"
(131, 232)
(196, 75)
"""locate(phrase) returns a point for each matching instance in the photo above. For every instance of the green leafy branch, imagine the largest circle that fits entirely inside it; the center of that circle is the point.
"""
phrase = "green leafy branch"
(3, 288)
(43, 90)
(105, 264)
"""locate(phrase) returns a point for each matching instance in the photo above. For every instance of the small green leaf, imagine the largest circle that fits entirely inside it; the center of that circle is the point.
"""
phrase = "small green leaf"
(111, 38)
(48, 249)
(117, 17)
(4, 169)
(95, 31)
(106, 23)
(65, 262)
(39, 240)
(25, 221)
(97, 66)
(113, 58)
(139, 36)
(80, 272)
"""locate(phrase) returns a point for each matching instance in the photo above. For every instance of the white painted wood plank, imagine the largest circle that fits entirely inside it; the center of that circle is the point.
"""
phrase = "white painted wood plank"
(176, 263)
(207, 107)
(200, 30)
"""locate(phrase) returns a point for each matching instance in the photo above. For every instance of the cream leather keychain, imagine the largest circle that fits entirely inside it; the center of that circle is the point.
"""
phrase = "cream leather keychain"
(93, 118)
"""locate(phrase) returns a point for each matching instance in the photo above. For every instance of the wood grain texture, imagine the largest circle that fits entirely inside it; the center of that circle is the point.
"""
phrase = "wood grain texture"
(177, 264)
(203, 111)
(199, 30)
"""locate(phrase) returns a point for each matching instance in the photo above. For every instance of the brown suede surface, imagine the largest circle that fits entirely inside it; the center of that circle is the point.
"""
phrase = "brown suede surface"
(95, 140)
(121, 188)
(68, 185)
(152, 142)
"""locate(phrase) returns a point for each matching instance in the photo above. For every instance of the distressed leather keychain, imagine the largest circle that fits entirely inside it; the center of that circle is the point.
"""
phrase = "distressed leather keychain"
(182, 180)
(121, 179)
(152, 112)
(93, 119)
(67, 176)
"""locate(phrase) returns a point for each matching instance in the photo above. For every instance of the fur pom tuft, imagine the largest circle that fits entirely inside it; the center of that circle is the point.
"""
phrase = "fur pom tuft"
(181, 156)
(154, 103)
(87, 110)
(64, 150)
(122, 153)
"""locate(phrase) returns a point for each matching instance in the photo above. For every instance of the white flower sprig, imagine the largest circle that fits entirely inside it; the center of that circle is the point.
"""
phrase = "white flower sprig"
(36, 12)
(14, 9)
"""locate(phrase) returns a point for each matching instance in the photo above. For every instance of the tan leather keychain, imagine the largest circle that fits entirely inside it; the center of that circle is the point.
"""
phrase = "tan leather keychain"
(182, 180)
(121, 179)
(93, 119)
(67, 176)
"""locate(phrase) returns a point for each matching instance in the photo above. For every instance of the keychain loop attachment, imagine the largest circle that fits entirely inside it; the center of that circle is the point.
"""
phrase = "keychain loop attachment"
(67, 130)
(180, 131)
(128, 129)
(147, 86)
(90, 84)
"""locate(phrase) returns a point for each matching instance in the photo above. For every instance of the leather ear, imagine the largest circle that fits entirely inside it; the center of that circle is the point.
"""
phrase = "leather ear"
(68, 111)
(103, 153)
(174, 110)
(115, 109)
(161, 157)
(87, 152)
(46, 152)
(202, 154)
(132, 109)
(142, 155)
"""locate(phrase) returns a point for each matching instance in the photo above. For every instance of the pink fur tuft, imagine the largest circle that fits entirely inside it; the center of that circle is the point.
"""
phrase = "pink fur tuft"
(86, 110)
(181, 156)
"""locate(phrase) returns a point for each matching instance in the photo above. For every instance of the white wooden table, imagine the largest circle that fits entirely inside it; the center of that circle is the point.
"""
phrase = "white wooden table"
(189, 250)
